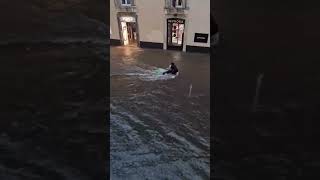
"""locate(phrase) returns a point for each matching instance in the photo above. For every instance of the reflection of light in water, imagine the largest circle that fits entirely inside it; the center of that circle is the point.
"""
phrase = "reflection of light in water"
(126, 56)
(129, 55)
(176, 56)
(127, 51)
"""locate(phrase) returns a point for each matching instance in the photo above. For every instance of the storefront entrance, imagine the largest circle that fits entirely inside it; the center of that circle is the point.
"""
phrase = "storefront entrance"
(175, 33)
(128, 30)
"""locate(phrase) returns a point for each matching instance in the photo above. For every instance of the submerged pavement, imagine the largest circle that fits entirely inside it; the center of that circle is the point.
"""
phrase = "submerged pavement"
(159, 129)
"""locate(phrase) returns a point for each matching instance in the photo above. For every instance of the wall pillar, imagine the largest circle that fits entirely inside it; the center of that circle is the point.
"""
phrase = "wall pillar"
(185, 34)
(165, 32)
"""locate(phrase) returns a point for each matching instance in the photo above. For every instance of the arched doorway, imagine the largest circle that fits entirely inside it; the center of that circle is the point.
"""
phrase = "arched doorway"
(175, 33)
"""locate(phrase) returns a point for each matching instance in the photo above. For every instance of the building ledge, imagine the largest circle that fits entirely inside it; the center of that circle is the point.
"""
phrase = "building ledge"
(176, 10)
(127, 9)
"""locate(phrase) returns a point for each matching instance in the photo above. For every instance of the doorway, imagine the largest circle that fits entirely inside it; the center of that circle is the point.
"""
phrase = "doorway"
(132, 33)
(129, 31)
(175, 33)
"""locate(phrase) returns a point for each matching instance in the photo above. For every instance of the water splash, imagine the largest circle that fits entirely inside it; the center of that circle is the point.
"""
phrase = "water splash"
(190, 90)
(257, 92)
(151, 74)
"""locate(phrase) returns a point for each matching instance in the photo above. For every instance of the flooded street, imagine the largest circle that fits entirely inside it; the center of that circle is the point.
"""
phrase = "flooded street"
(160, 126)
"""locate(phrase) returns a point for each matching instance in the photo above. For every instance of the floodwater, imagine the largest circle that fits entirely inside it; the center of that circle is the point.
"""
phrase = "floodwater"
(160, 126)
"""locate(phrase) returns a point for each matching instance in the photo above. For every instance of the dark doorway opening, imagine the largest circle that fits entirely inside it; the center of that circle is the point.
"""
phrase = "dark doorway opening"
(175, 33)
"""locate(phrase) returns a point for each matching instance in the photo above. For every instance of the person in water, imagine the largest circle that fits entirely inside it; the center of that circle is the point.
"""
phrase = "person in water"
(172, 69)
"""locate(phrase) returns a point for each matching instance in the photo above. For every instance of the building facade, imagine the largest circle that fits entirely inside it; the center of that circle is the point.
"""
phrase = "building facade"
(182, 25)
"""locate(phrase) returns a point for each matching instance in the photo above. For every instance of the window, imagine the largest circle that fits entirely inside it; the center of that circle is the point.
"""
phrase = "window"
(177, 3)
(126, 2)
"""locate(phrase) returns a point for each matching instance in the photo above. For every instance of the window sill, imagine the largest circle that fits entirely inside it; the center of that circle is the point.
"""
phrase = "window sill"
(127, 5)
(177, 8)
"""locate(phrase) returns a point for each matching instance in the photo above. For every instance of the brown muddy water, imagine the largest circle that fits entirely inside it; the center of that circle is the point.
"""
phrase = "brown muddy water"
(158, 128)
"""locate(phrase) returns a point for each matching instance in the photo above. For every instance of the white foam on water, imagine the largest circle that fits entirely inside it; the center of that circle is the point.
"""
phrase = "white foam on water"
(139, 153)
(152, 74)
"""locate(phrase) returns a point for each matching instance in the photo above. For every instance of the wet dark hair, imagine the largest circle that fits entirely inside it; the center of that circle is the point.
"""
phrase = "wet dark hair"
(172, 63)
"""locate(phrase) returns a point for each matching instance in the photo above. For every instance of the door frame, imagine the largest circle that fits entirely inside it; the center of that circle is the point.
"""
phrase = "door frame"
(134, 15)
(179, 48)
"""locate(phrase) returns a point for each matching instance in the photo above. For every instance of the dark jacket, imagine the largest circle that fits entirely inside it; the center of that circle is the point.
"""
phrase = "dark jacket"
(174, 69)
